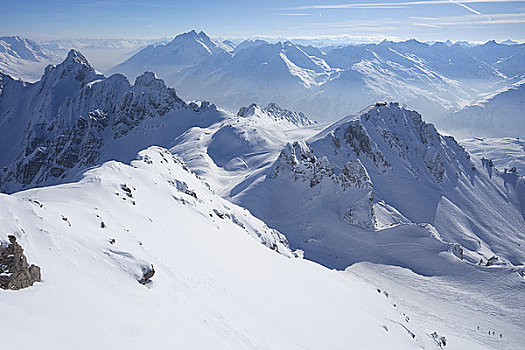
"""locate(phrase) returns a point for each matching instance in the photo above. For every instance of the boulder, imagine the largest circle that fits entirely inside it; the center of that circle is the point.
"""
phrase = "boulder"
(15, 272)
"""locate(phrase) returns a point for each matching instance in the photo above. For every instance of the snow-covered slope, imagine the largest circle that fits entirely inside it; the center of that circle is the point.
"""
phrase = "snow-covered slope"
(24, 59)
(504, 152)
(498, 114)
(215, 285)
(326, 84)
(74, 118)
(235, 150)
(394, 164)
(384, 188)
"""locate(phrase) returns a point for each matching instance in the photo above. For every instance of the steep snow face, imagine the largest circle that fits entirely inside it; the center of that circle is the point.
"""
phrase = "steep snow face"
(498, 114)
(74, 118)
(222, 280)
(24, 59)
(185, 50)
(434, 79)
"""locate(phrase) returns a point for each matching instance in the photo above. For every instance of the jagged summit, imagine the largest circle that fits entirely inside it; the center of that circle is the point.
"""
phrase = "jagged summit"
(75, 66)
(75, 56)
(74, 118)
(389, 138)
(150, 79)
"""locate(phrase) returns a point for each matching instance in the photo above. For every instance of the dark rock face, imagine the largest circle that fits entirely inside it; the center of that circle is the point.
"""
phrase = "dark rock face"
(45, 157)
(15, 272)
(147, 273)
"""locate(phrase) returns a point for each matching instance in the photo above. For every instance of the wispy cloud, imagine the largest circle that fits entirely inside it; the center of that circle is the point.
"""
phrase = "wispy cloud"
(394, 24)
(403, 3)
(475, 19)
(466, 7)
(293, 14)
(427, 25)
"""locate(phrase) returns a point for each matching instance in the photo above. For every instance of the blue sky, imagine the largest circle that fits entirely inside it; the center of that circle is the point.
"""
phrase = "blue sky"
(360, 20)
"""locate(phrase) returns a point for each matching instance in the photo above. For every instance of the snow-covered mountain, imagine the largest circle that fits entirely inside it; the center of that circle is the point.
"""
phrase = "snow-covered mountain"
(384, 188)
(381, 194)
(74, 118)
(434, 79)
(234, 150)
(501, 113)
(388, 154)
(24, 59)
(166, 59)
(214, 284)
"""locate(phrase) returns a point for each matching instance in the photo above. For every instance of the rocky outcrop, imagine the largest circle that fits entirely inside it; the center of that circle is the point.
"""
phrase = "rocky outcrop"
(147, 273)
(359, 140)
(298, 162)
(276, 113)
(15, 272)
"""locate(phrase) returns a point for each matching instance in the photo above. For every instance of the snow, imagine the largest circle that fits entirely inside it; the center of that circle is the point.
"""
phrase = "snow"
(326, 84)
(23, 58)
(498, 114)
(212, 276)
(505, 152)
(416, 235)
(231, 153)
(430, 210)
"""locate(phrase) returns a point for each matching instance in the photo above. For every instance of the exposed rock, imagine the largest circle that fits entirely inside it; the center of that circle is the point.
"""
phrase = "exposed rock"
(440, 340)
(493, 259)
(147, 273)
(299, 162)
(15, 272)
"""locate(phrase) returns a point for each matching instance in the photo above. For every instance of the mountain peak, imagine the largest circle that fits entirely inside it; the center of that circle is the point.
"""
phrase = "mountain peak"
(203, 35)
(192, 34)
(150, 80)
(75, 56)
(75, 65)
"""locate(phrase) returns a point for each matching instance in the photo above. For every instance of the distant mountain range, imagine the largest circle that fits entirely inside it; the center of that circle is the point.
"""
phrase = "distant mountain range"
(328, 82)
(440, 79)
